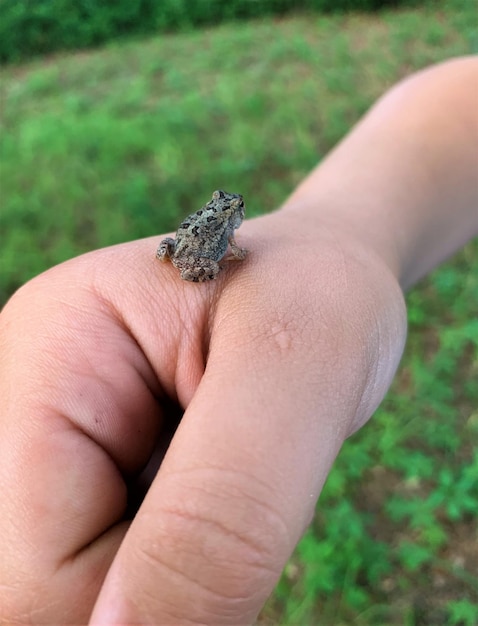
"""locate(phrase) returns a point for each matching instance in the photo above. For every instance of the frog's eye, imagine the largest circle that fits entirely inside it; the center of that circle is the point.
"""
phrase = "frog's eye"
(218, 194)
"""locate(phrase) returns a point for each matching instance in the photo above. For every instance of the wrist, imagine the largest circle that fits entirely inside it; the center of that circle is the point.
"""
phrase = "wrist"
(346, 223)
(404, 180)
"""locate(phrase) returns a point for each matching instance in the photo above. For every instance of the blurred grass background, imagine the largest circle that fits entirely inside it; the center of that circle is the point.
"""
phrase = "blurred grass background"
(107, 145)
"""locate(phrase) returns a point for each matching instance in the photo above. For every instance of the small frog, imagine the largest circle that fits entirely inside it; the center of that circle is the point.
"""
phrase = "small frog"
(202, 238)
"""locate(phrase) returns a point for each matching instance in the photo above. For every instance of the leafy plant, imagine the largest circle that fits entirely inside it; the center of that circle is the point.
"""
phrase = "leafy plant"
(32, 28)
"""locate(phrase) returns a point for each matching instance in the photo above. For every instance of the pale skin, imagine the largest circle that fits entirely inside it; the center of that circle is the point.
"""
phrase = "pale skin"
(275, 363)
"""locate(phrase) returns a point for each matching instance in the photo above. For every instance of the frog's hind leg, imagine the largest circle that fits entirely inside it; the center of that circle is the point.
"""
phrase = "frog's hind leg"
(199, 270)
(166, 249)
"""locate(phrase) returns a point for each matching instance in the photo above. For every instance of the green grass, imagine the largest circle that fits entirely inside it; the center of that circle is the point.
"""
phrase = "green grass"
(106, 146)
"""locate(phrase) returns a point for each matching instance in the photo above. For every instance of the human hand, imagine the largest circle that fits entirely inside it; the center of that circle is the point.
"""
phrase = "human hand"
(275, 363)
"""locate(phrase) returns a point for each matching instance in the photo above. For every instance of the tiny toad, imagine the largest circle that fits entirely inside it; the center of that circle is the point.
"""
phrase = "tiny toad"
(202, 238)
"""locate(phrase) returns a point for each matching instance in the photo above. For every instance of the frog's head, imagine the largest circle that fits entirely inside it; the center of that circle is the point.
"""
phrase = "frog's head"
(232, 202)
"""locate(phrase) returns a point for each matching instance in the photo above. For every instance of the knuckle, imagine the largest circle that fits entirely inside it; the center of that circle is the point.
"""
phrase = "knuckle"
(230, 549)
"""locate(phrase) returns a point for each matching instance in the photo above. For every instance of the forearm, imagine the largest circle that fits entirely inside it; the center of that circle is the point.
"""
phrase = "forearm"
(406, 178)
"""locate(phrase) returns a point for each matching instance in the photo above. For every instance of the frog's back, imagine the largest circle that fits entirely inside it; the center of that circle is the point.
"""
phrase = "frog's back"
(206, 232)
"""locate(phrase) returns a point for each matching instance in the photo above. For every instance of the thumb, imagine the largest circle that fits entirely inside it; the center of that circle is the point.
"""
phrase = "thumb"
(239, 483)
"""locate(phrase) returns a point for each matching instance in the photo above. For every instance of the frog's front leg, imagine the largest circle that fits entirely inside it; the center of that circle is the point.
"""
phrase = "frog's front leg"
(238, 253)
